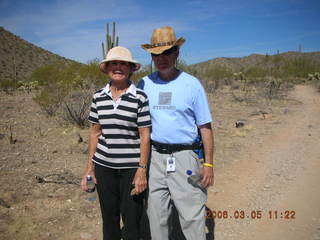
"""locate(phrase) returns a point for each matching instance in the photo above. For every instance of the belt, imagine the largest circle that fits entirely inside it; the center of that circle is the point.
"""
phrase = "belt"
(171, 148)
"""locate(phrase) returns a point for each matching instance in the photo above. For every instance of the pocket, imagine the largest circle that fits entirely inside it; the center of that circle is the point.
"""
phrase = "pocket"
(195, 164)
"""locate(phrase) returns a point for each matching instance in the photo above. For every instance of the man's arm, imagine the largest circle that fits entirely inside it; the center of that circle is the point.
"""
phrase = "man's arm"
(208, 144)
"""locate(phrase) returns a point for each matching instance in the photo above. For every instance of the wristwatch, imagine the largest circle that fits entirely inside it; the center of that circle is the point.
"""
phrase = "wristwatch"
(142, 166)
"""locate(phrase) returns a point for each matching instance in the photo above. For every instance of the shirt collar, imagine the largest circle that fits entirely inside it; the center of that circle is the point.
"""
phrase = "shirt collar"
(131, 89)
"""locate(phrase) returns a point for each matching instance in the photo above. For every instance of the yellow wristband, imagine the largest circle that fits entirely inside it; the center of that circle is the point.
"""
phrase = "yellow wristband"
(208, 164)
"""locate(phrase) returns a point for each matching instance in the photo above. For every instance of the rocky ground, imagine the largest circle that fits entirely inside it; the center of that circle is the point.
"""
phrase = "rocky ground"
(269, 164)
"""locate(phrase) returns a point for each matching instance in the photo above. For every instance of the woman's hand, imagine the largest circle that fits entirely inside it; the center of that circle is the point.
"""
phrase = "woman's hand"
(84, 185)
(140, 180)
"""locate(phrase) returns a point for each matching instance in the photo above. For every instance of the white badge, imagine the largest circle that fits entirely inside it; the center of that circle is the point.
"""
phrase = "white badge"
(171, 164)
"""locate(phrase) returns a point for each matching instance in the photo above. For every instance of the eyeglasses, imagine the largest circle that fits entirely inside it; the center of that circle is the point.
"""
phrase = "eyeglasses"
(166, 52)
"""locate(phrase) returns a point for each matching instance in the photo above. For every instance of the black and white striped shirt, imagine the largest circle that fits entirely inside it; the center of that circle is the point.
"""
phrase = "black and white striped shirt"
(119, 144)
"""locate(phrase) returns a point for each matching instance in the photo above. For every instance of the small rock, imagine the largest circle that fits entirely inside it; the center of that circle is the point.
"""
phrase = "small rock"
(85, 150)
(80, 139)
(86, 235)
(239, 124)
(4, 203)
(266, 186)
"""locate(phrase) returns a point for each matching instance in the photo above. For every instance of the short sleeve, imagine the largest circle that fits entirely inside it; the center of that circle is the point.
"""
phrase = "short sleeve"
(143, 119)
(93, 115)
(201, 107)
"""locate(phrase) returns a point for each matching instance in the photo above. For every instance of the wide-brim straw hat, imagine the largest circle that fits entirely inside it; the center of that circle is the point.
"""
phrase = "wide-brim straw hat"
(162, 39)
(119, 54)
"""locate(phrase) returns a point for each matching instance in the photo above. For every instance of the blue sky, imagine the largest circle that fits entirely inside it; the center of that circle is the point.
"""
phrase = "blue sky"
(216, 28)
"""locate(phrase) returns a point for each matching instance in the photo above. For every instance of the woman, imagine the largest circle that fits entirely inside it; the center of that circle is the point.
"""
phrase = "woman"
(119, 146)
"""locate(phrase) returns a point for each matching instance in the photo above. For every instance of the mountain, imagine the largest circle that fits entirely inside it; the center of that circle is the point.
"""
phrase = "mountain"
(257, 60)
(19, 58)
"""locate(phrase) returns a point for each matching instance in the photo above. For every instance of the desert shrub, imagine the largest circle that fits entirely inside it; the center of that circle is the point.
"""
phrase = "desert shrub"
(214, 77)
(28, 86)
(314, 79)
(76, 106)
(314, 76)
(298, 68)
(49, 98)
(58, 80)
(219, 72)
(273, 87)
(7, 85)
(89, 74)
(255, 72)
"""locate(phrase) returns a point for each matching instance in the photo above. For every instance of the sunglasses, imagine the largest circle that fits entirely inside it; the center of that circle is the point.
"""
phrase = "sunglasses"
(166, 52)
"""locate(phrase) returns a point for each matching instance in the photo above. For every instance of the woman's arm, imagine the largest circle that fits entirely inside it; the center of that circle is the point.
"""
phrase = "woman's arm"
(95, 132)
(140, 178)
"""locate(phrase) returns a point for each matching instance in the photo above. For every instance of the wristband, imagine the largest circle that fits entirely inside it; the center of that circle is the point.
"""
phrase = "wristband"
(208, 165)
(142, 166)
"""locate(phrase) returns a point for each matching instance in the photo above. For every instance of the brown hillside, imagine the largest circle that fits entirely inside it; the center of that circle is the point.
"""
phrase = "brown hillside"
(258, 60)
(19, 58)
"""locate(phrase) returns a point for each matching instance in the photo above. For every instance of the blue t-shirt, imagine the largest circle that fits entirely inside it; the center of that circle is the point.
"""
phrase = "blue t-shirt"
(177, 107)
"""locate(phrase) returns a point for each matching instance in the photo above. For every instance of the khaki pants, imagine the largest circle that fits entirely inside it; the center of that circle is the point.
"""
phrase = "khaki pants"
(165, 187)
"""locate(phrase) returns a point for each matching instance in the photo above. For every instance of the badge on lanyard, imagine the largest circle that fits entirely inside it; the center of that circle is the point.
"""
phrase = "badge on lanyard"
(171, 164)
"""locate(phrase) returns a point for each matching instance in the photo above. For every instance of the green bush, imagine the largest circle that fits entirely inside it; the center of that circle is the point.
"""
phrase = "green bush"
(255, 72)
(298, 68)
(7, 85)
(56, 81)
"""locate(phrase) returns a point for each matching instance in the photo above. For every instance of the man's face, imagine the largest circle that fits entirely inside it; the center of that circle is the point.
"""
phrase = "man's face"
(166, 60)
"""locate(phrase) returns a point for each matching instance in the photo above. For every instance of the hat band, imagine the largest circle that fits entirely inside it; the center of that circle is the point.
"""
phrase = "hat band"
(161, 44)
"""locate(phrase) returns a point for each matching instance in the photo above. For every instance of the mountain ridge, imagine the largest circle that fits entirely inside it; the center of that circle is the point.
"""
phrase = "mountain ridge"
(19, 58)
(237, 64)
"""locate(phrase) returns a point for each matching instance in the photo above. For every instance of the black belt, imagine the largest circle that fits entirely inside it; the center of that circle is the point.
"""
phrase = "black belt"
(171, 148)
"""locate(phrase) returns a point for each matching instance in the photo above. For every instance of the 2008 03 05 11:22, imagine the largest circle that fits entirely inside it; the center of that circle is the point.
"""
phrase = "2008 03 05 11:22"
(254, 214)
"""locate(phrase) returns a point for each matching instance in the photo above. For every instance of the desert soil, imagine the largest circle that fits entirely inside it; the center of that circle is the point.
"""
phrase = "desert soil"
(269, 164)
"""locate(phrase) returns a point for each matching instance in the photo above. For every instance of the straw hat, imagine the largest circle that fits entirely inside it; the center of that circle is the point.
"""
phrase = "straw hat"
(162, 39)
(119, 54)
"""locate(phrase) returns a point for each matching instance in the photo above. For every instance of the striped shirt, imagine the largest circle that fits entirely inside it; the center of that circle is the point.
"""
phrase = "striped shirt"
(119, 144)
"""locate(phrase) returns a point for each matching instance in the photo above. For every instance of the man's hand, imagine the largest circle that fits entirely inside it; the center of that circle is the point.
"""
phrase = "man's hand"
(207, 176)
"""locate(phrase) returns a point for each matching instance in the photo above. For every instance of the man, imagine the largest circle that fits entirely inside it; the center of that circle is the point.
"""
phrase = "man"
(178, 108)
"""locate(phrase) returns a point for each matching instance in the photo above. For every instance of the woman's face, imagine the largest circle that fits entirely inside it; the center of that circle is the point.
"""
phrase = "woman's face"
(119, 71)
(166, 60)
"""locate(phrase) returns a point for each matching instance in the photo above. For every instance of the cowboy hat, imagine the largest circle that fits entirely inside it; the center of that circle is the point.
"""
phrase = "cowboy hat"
(162, 39)
(119, 54)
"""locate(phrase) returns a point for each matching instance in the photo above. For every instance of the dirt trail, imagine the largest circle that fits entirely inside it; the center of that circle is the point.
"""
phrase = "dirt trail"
(279, 174)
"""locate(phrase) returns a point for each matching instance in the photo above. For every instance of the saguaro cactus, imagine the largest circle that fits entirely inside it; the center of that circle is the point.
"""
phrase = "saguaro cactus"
(111, 41)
